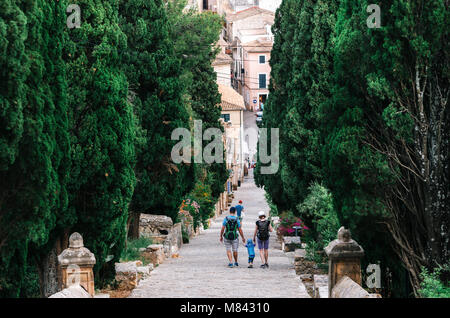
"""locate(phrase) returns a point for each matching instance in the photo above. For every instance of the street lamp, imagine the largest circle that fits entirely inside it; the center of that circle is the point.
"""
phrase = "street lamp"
(296, 228)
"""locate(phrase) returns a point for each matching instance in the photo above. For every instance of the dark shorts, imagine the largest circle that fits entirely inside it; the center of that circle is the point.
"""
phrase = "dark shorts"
(263, 245)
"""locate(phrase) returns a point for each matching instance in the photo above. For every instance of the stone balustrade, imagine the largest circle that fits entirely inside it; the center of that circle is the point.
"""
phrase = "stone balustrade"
(76, 266)
(344, 268)
(76, 263)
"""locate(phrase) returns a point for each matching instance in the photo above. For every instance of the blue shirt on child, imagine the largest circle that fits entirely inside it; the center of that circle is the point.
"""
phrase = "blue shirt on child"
(250, 248)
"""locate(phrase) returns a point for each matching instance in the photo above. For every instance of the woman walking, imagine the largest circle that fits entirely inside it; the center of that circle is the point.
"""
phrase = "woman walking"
(262, 230)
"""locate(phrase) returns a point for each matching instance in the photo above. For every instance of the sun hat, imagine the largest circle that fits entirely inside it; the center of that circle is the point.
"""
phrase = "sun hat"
(261, 213)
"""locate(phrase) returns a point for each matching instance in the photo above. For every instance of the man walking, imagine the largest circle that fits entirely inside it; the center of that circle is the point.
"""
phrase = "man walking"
(262, 230)
(239, 210)
(230, 226)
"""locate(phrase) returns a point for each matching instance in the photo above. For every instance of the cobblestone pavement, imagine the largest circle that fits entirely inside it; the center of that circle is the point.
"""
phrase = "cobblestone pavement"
(201, 270)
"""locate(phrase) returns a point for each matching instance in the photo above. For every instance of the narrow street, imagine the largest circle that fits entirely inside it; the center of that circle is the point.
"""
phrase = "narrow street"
(201, 270)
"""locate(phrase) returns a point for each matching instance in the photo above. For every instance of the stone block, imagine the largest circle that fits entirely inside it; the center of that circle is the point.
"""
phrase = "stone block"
(154, 225)
(320, 285)
(347, 288)
(127, 275)
(290, 243)
(300, 254)
(177, 236)
(307, 278)
(73, 291)
(154, 254)
(323, 292)
(144, 271)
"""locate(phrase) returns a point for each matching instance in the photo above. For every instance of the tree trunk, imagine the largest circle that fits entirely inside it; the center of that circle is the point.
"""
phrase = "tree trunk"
(133, 225)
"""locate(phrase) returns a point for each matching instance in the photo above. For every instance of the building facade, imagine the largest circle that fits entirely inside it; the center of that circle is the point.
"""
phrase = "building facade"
(256, 78)
(250, 36)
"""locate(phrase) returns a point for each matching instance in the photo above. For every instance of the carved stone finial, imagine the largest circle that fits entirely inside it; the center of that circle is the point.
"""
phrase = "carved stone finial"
(344, 259)
(76, 263)
(76, 254)
(344, 235)
(76, 240)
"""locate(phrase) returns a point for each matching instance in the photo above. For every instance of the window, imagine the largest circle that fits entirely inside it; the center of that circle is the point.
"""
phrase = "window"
(226, 117)
(262, 59)
(262, 81)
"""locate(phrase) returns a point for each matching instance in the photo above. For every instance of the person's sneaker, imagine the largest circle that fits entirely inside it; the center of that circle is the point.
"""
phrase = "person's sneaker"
(250, 265)
(236, 264)
(230, 265)
(267, 265)
(263, 266)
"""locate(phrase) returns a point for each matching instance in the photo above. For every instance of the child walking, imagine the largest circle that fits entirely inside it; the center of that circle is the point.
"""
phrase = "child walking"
(251, 252)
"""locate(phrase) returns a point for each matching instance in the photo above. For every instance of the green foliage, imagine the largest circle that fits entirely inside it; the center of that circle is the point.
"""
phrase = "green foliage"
(273, 209)
(344, 98)
(185, 236)
(154, 74)
(34, 138)
(131, 251)
(202, 207)
(287, 222)
(84, 111)
(319, 208)
(432, 286)
(31, 283)
(103, 131)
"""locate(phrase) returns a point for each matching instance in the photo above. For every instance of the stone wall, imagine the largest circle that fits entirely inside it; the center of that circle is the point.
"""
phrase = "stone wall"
(161, 230)
(129, 274)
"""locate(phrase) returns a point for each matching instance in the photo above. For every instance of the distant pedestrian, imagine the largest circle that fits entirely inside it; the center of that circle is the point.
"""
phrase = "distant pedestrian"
(251, 252)
(230, 226)
(262, 230)
(240, 211)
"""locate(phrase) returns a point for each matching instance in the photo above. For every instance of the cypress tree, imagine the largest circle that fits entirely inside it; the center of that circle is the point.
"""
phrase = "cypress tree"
(365, 115)
(155, 91)
(277, 105)
(396, 116)
(103, 132)
(34, 135)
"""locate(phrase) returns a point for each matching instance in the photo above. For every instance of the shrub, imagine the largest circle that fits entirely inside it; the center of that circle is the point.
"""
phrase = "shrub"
(185, 236)
(131, 252)
(432, 286)
(318, 206)
(273, 208)
(287, 221)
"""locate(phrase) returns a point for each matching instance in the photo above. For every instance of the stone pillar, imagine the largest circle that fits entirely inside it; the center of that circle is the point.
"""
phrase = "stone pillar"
(76, 264)
(344, 259)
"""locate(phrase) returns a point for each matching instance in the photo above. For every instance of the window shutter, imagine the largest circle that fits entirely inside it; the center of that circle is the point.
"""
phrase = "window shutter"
(262, 80)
